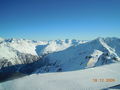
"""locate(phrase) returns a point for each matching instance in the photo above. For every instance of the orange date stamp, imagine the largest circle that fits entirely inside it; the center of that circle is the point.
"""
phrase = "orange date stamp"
(104, 80)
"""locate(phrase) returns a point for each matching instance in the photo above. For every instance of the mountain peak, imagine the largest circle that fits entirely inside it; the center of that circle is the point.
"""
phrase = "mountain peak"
(1, 39)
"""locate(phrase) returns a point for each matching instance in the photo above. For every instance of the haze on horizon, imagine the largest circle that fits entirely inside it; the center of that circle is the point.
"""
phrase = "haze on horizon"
(59, 19)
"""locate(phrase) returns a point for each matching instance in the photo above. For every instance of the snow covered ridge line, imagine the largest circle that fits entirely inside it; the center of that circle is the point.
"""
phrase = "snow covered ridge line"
(75, 80)
(56, 56)
(60, 55)
(10, 47)
(94, 53)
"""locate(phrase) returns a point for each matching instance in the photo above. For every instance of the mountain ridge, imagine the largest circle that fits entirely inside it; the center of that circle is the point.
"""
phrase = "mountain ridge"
(10, 47)
(61, 55)
(28, 57)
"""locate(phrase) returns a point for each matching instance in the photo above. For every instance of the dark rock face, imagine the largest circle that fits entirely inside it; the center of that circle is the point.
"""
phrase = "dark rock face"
(6, 72)
(22, 59)
(27, 58)
(4, 63)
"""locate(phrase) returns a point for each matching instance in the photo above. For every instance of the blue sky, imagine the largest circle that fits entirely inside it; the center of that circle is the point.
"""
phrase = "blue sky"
(59, 19)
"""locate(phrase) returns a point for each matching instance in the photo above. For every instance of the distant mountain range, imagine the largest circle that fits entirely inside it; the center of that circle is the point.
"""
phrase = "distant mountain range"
(21, 51)
(29, 56)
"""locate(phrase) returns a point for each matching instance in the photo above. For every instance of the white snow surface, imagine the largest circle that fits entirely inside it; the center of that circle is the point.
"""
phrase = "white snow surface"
(68, 54)
(96, 54)
(57, 45)
(77, 57)
(30, 46)
(111, 50)
(1, 39)
(74, 80)
(8, 53)
(10, 47)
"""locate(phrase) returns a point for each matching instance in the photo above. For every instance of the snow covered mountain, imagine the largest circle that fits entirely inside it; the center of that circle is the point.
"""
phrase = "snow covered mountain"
(1, 39)
(59, 55)
(98, 78)
(90, 54)
(28, 56)
(22, 51)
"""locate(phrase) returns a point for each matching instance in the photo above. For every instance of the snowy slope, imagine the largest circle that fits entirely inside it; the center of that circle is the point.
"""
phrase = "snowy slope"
(13, 51)
(60, 55)
(22, 45)
(90, 54)
(7, 53)
(58, 45)
(1, 39)
(30, 46)
(74, 80)
(95, 56)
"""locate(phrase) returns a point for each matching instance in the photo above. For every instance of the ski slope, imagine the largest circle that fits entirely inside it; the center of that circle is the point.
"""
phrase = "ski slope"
(74, 80)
